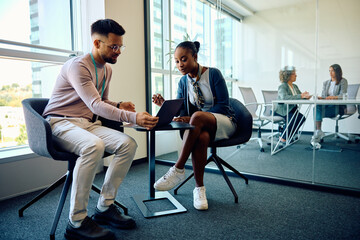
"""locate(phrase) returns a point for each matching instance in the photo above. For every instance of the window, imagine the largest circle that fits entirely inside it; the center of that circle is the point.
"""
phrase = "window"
(177, 20)
(33, 46)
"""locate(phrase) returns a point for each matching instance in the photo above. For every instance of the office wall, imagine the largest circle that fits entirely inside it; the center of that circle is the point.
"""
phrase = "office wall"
(28, 175)
(283, 36)
(128, 83)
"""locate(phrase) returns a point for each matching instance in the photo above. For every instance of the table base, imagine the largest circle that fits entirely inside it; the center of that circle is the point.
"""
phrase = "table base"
(141, 199)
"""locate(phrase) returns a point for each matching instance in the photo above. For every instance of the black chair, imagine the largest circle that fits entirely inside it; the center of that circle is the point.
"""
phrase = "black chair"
(40, 141)
(242, 135)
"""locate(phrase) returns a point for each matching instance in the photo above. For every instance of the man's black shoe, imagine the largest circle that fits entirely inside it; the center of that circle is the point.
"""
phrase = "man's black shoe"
(89, 230)
(114, 217)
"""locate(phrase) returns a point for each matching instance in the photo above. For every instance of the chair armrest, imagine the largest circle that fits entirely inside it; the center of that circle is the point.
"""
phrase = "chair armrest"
(258, 111)
(112, 124)
(252, 103)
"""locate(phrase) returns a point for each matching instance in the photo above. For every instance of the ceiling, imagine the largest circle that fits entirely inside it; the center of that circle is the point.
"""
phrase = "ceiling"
(261, 5)
(250, 7)
(338, 22)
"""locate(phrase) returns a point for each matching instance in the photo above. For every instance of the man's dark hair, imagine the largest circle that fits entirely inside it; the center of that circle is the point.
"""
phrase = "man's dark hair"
(106, 26)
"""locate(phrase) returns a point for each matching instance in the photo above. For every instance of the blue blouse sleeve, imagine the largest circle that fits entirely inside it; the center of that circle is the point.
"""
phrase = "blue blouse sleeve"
(181, 93)
(220, 92)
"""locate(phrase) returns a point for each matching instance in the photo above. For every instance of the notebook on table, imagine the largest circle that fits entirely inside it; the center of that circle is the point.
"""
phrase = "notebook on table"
(166, 113)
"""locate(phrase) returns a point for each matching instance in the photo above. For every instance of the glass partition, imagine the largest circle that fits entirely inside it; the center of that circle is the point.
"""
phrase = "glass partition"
(336, 162)
(308, 35)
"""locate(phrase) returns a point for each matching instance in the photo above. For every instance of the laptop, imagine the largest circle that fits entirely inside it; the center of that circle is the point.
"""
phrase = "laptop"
(167, 112)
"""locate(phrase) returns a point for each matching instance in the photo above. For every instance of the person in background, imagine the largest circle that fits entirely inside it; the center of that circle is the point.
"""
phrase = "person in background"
(206, 106)
(332, 89)
(289, 91)
(80, 93)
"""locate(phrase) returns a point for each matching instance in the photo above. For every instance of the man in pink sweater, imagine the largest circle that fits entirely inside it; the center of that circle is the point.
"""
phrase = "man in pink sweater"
(79, 96)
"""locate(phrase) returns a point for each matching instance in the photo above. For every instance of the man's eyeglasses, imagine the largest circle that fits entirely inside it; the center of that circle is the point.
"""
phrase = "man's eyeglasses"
(115, 48)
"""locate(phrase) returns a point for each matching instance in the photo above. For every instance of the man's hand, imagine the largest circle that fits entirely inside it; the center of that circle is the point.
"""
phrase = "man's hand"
(128, 106)
(144, 119)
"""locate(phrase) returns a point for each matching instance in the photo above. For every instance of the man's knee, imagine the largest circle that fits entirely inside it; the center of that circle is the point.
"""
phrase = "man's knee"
(96, 145)
(131, 143)
(93, 150)
(128, 144)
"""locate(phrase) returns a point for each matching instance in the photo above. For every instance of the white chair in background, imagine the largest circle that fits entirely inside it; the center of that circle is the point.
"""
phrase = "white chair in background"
(269, 96)
(256, 109)
(349, 111)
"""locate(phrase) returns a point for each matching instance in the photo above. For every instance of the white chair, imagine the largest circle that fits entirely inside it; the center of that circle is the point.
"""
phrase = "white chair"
(255, 110)
(349, 111)
(269, 96)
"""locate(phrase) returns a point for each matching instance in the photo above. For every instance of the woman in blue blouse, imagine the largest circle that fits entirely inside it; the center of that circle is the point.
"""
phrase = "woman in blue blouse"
(206, 106)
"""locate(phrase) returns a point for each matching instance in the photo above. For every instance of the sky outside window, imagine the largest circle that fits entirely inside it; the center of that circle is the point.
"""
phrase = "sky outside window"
(15, 26)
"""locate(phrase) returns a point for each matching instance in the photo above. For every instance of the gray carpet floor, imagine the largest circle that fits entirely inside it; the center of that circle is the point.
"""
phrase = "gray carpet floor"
(264, 211)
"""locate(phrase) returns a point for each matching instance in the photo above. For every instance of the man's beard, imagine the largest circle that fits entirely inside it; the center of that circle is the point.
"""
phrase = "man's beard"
(109, 59)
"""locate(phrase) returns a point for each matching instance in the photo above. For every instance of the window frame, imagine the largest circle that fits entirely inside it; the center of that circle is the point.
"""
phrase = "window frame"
(20, 51)
(167, 69)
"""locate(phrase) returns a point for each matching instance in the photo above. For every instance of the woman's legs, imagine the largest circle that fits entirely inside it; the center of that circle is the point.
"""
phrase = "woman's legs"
(319, 116)
(298, 120)
(199, 158)
(196, 142)
(325, 111)
(203, 122)
(322, 111)
(295, 120)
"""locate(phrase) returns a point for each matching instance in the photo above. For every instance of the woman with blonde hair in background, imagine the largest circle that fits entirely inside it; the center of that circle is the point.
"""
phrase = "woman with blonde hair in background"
(289, 91)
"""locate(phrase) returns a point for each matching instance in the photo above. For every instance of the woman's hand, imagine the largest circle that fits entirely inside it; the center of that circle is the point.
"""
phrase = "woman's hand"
(332, 97)
(128, 106)
(158, 99)
(305, 95)
(185, 119)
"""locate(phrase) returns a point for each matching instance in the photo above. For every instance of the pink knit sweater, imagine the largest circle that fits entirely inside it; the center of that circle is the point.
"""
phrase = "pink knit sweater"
(75, 93)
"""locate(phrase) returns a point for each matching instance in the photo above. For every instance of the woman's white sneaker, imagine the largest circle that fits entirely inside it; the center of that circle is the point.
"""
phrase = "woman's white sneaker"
(171, 179)
(316, 139)
(200, 201)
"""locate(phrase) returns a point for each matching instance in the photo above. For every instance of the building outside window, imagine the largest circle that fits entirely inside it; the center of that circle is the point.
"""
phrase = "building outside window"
(28, 71)
(173, 21)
